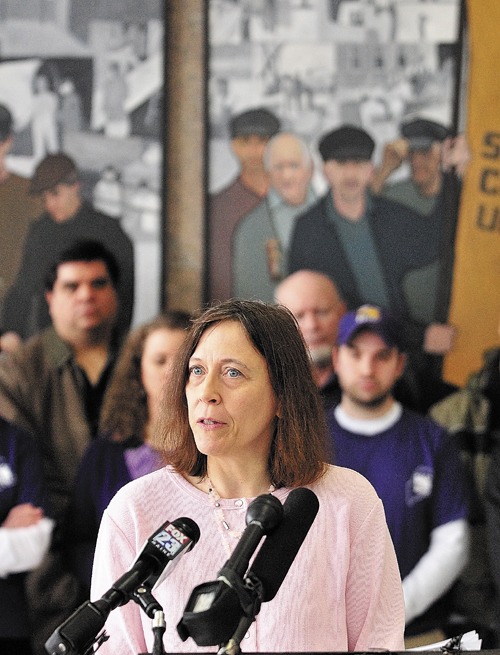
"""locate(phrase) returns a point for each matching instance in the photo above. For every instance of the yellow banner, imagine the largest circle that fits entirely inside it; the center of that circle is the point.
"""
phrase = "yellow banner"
(475, 301)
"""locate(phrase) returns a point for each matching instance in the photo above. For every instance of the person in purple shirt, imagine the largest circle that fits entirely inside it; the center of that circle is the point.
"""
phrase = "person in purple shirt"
(123, 451)
(25, 532)
(412, 462)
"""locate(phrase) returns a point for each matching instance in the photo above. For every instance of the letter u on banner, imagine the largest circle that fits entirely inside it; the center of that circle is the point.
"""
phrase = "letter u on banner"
(475, 299)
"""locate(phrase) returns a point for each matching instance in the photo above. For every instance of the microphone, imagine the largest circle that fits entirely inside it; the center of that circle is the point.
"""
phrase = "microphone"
(217, 613)
(213, 606)
(278, 551)
(157, 559)
(274, 559)
(263, 514)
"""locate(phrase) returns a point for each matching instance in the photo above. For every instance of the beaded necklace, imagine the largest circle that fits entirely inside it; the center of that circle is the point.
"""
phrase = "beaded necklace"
(222, 525)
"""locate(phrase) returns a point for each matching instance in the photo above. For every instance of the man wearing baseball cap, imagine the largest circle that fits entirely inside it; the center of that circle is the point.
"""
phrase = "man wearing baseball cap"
(67, 219)
(250, 131)
(413, 463)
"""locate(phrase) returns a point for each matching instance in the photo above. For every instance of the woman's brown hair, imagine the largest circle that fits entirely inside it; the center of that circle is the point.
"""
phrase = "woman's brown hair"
(125, 411)
(298, 449)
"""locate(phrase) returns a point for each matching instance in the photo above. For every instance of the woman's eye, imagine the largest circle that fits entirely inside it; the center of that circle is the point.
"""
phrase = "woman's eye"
(233, 373)
(196, 370)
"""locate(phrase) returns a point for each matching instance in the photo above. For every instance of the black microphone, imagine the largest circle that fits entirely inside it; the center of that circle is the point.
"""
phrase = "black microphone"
(159, 555)
(216, 614)
(213, 606)
(263, 514)
(278, 551)
(274, 559)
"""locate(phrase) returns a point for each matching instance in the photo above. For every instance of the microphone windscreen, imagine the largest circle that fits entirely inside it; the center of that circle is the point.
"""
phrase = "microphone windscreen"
(279, 549)
(190, 529)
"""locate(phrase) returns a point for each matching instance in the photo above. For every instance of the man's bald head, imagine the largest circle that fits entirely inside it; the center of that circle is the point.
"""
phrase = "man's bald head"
(288, 161)
(313, 299)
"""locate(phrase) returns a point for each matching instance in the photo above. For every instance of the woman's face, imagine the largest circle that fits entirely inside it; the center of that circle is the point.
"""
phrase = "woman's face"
(160, 348)
(231, 403)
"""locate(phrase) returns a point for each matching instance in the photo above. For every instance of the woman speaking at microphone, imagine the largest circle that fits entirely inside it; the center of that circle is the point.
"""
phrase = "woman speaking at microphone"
(242, 418)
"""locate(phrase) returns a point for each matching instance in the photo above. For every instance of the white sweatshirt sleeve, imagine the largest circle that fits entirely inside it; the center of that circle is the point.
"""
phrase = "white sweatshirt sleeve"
(436, 571)
(23, 549)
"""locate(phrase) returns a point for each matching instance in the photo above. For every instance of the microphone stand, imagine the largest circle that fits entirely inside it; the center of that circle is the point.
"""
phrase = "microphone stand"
(253, 587)
(145, 599)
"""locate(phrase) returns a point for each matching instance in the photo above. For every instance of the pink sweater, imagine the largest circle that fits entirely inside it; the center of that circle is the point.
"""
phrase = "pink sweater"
(342, 592)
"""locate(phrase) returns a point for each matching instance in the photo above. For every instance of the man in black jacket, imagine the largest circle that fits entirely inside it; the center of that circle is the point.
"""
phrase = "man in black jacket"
(367, 244)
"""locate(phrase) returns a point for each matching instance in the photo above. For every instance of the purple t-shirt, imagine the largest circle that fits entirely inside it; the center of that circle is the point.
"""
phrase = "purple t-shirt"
(21, 481)
(416, 470)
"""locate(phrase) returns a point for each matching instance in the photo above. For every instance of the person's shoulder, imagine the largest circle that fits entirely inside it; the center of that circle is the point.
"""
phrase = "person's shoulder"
(15, 435)
(234, 187)
(317, 210)
(104, 446)
(235, 191)
(388, 208)
(88, 211)
(425, 427)
(341, 483)
(252, 219)
(139, 494)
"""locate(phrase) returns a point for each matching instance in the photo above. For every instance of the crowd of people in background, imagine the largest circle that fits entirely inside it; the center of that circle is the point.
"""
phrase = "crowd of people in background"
(88, 405)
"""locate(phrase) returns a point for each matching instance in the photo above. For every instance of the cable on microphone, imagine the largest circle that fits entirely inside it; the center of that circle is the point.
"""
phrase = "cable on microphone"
(159, 555)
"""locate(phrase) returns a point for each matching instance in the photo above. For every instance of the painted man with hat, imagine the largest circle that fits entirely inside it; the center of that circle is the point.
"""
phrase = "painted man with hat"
(250, 132)
(365, 243)
(18, 208)
(412, 462)
(67, 219)
(430, 151)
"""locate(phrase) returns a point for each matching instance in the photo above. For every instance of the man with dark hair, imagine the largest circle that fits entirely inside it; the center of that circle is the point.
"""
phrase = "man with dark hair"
(17, 207)
(53, 386)
(67, 219)
(412, 462)
(54, 383)
(250, 132)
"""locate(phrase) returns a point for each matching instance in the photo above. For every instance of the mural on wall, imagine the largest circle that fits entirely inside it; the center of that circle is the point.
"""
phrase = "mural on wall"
(320, 63)
(87, 79)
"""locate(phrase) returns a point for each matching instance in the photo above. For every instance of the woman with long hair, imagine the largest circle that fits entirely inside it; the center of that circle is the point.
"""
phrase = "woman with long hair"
(242, 418)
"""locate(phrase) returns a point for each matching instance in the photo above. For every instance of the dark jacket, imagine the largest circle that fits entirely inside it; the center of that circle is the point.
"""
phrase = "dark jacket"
(402, 240)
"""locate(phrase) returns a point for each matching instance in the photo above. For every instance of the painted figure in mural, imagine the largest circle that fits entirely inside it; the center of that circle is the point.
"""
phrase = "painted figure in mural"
(44, 119)
(367, 244)
(262, 237)
(430, 151)
(67, 218)
(117, 121)
(18, 208)
(411, 461)
(108, 193)
(250, 132)
(70, 109)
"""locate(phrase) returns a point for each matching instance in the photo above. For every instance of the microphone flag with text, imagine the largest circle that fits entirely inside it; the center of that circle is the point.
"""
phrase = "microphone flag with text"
(157, 559)
(224, 609)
